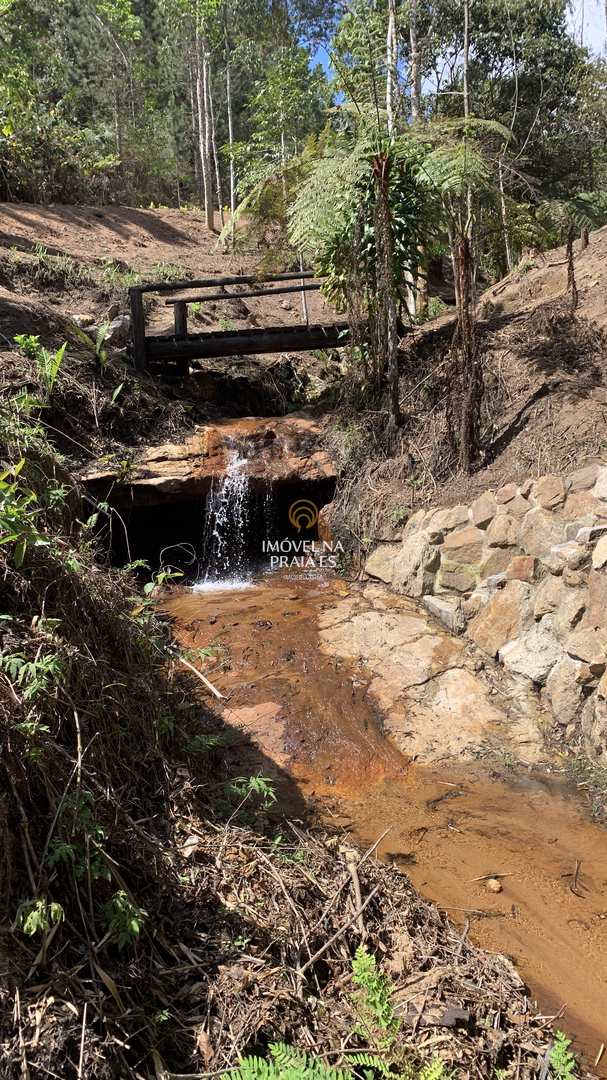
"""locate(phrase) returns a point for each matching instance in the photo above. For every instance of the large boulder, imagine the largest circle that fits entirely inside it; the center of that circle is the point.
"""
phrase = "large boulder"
(535, 653)
(583, 479)
(483, 510)
(569, 611)
(444, 521)
(590, 646)
(549, 492)
(596, 603)
(540, 530)
(505, 617)
(503, 531)
(548, 596)
(380, 563)
(564, 690)
(464, 546)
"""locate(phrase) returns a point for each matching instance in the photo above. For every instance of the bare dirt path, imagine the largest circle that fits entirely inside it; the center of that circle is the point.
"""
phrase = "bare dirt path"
(450, 822)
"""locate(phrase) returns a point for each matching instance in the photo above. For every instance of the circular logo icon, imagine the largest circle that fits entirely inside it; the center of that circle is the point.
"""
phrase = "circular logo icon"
(303, 514)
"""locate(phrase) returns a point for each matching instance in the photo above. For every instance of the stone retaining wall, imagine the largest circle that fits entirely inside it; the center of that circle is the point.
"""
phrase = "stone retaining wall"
(522, 572)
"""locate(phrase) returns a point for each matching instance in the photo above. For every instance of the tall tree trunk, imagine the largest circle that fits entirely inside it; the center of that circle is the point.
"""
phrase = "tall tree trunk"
(204, 129)
(391, 74)
(386, 338)
(230, 137)
(214, 143)
(466, 389)
(205, 164)
(416, 65)
(504, 216)
(195, 144)
(466, 88)
(571, 282)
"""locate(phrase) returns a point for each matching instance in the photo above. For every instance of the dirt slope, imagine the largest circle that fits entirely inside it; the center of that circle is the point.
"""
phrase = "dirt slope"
(146, 241)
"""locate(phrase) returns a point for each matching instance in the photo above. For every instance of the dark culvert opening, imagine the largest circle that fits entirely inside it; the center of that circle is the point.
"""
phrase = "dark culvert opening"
(220, 535)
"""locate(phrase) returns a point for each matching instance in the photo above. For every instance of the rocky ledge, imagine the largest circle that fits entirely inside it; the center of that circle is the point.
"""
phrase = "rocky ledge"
(280, 450)
(522, 572)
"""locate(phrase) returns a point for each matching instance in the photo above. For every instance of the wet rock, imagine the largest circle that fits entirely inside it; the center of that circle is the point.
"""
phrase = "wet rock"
(534, 654)
(540, 530)
(564, 689)
(583, 479)
(505, 617)
(503, 531)
(483, 510)
(549, 492)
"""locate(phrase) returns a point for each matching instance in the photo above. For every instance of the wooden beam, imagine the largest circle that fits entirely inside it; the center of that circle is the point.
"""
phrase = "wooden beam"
(138, 328)
(181, 319)
(299, 338)
(209, 283)
(242, 295)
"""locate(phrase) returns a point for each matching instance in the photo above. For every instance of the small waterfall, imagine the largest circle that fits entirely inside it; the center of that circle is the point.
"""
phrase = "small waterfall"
(226, 534)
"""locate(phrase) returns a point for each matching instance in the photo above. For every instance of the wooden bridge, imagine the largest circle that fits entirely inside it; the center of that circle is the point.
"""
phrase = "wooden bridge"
(172, 354)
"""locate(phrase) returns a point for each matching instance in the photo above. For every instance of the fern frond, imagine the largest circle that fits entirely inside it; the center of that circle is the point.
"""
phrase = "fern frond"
(454, 169)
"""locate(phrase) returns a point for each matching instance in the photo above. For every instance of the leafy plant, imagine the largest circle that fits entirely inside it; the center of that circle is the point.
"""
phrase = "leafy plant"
(287, 1063)
(17, 514)
(48, 363)
(38, 916)
(562, 1061)
(124, 919)
(373, 999)
(244, 787)
(32, 677)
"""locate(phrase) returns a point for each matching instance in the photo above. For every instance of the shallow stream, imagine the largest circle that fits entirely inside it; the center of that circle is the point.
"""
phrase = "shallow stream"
(312, 723)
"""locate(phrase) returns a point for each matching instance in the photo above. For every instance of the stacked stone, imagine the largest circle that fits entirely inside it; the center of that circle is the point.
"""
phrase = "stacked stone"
(523, 572)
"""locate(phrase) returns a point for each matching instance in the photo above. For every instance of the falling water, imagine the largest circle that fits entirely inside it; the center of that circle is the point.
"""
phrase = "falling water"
(227, 524)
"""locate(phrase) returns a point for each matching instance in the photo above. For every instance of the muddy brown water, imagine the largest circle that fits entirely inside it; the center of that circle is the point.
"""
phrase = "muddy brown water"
(313, 721)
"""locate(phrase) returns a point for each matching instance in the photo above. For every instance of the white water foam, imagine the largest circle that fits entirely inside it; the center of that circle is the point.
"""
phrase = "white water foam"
(225, 585)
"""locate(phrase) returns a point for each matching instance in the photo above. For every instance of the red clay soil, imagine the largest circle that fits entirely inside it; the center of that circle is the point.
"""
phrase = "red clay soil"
(143, 239)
